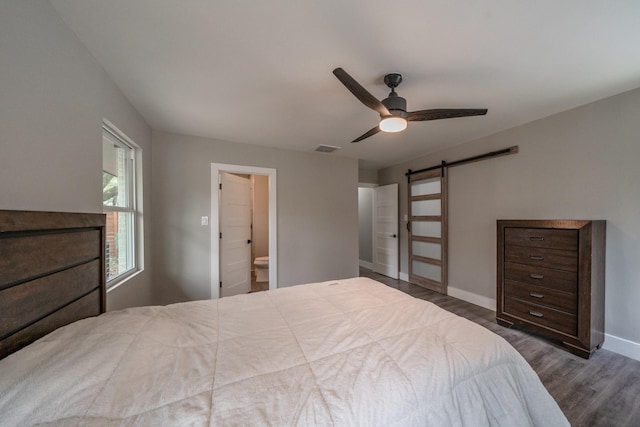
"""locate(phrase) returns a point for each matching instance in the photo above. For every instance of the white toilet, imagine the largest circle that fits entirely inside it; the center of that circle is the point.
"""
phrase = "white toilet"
(261, 265)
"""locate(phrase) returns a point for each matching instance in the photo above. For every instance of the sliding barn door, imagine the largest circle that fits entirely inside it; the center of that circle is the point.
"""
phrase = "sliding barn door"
(428, 229)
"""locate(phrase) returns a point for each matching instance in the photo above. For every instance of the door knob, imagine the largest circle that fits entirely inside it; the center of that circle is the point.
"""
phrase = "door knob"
(393, 235)
(248, 241)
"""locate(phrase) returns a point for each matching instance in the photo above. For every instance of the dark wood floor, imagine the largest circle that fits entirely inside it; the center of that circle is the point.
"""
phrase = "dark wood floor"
(601, 391)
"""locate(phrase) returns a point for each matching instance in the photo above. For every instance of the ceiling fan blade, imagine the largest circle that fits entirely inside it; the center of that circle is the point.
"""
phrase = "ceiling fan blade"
(444, 113)
(361, 93)
(369, 133)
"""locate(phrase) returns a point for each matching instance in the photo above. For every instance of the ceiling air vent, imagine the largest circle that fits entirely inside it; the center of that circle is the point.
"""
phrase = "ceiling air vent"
(326, 148)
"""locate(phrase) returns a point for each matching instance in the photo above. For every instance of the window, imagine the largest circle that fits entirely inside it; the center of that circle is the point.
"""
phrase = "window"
(119, 203)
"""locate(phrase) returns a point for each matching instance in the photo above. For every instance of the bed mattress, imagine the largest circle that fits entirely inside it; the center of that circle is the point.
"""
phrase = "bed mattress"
(344, 352)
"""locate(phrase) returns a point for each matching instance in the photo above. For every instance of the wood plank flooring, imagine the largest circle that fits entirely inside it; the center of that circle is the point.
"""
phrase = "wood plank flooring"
(601, 391)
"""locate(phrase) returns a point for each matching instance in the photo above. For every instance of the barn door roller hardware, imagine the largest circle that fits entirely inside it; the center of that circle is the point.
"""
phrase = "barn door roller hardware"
(444, 164)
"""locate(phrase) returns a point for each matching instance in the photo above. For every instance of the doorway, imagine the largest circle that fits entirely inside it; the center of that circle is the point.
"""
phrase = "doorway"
(378, 220)
(220, 254)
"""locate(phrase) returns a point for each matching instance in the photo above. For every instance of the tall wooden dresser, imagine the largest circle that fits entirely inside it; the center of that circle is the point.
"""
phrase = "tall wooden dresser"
(551, 280)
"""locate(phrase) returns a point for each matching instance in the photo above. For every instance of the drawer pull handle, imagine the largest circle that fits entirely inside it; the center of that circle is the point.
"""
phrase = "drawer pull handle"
(537, 238)
(536, 295)
(536, 313)
(537, 257)
(536, 276)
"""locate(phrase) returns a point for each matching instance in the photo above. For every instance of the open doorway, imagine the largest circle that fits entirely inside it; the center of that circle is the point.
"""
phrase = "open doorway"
(235, 251)
(378, 219)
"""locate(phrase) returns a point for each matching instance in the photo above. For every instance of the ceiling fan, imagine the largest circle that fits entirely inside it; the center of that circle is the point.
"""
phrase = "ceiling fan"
(393, 109)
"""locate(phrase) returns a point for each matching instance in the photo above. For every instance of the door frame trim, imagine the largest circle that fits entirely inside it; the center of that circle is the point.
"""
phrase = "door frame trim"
(216, 169)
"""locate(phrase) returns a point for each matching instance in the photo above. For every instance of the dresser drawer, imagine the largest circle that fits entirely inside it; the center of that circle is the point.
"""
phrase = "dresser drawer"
(542, 257)
(566, 281)
(551, 298)
(542, 238)
(554, 319)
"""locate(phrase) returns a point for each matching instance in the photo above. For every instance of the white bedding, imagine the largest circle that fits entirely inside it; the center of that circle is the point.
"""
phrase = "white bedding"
(347, 352)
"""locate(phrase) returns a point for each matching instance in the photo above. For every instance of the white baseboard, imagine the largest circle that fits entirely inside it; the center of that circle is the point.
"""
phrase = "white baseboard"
(482, 301)
(622, 346)
(366, 264)
(486, 302)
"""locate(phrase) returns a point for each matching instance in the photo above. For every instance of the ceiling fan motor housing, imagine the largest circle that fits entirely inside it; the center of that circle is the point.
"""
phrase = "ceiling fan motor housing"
(396, 105)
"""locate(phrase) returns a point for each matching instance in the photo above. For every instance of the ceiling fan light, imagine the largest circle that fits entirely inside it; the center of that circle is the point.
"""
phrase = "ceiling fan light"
(393, 124)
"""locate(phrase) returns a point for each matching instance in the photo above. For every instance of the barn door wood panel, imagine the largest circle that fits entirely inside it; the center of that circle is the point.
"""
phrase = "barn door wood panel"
(428, 229)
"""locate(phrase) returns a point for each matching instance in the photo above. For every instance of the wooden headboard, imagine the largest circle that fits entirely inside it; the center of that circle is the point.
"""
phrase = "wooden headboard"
(52, 273)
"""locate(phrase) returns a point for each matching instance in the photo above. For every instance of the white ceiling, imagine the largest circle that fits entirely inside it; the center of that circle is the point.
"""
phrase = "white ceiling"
(259, 72)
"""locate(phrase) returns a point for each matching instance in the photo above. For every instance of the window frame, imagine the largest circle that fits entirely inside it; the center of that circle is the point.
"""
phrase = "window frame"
(133, 171)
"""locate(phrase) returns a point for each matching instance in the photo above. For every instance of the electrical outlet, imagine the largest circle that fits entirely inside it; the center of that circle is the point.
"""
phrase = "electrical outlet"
(204, 220)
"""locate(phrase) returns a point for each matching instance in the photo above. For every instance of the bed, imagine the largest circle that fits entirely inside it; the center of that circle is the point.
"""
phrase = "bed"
(343, 352)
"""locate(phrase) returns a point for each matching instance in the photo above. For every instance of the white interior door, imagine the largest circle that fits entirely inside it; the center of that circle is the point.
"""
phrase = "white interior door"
(385, 230)
(235, 235)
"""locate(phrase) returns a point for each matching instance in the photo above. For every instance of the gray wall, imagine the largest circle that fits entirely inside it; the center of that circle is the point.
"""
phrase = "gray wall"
(317, 212)
(581, 164)
(53, 98)
(368, 176)
(365, 219)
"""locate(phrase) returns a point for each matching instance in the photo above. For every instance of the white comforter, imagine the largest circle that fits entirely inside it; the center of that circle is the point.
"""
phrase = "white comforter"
(347, 352)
